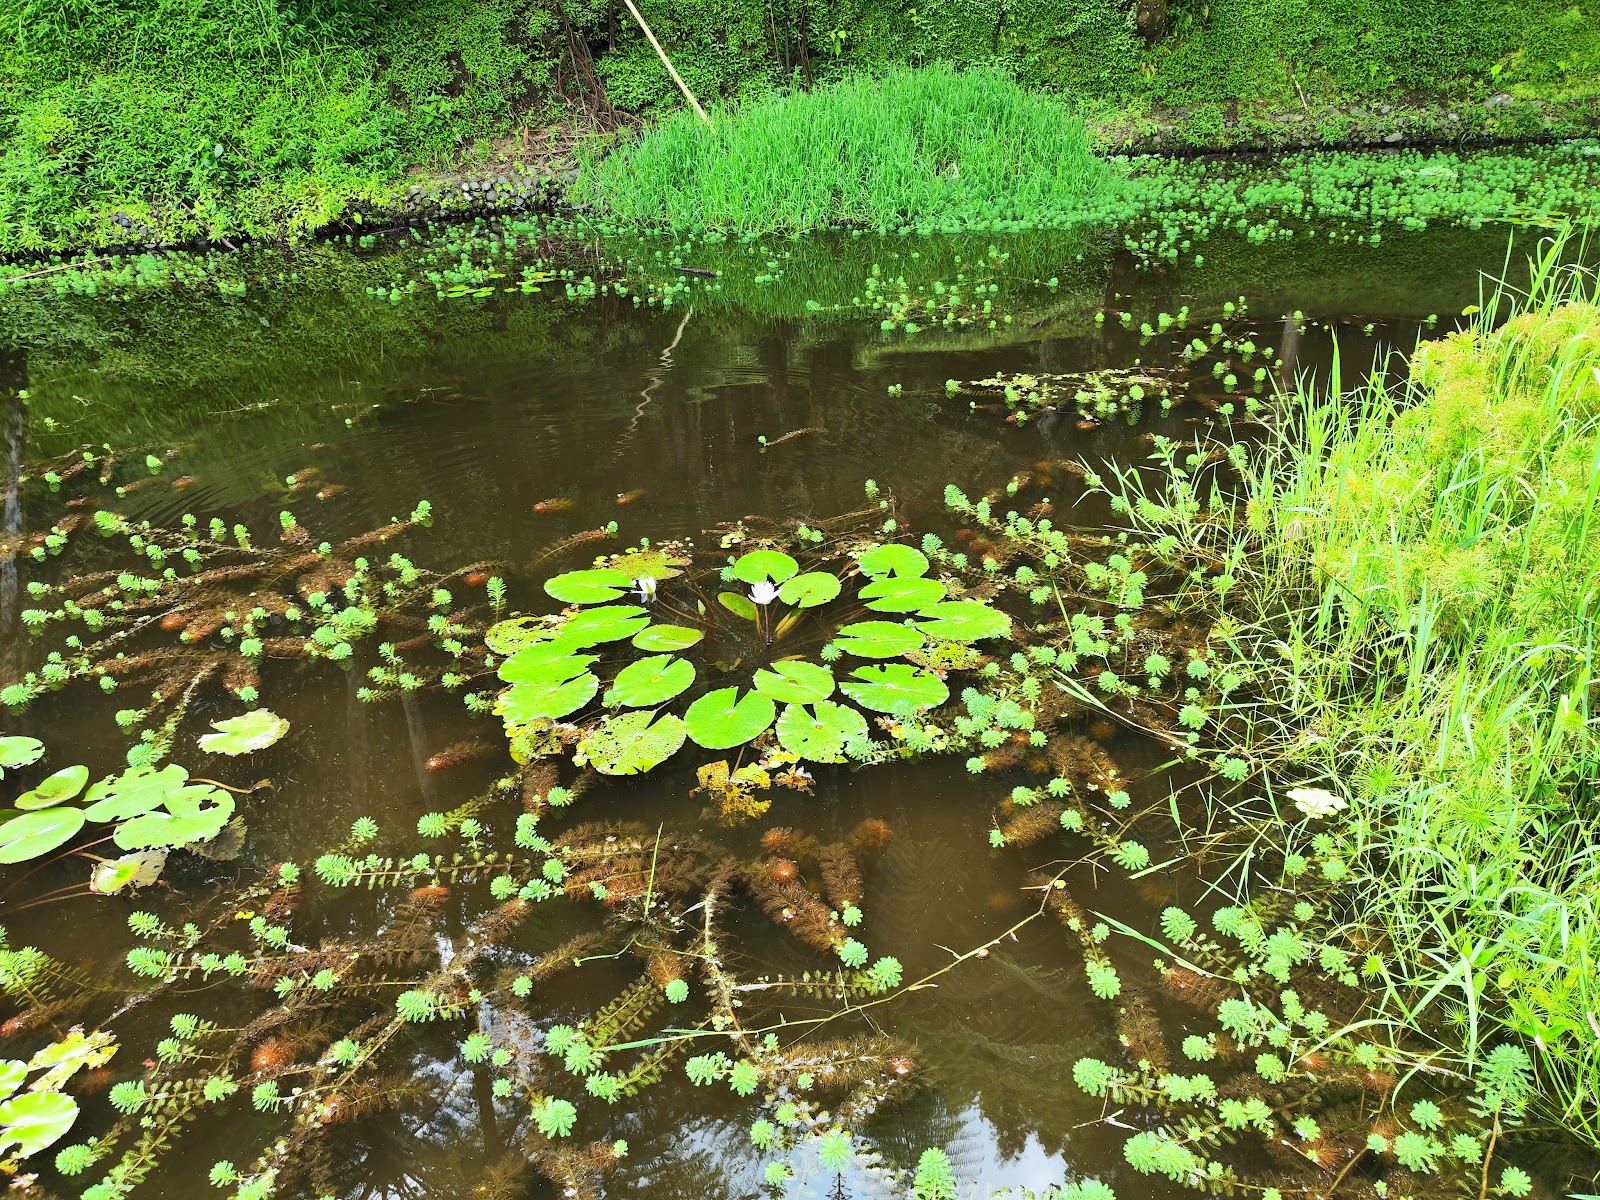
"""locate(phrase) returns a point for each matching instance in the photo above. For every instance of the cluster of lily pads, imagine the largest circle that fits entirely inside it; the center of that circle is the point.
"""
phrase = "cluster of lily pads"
(828, 642)
(154, 810)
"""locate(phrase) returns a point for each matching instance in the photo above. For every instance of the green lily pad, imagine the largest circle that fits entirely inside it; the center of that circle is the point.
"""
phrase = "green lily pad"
(137, 790)
(822, 733)
(75, 1052)
(524, 702)
(877, 639)
(722, 719)
(764, 564)
(895, 688)
(512, 634)
(893, 559)
(12, 1073)
(795, 682)
(809, 590)
(905, 593)
(56, 789)
(252, 731)
(612, 623)
(964, 621)
(651, 681)
(188, 818)
(18, 751)
(738, 604)
(138, 869)
(649, 564)
(589, 587)
(667, 637)
(545, 663)
(36, 833)
(631, 744)
(34, 1120)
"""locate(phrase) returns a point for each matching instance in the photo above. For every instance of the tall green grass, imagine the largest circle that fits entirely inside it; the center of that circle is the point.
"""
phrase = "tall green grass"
(1415, 596)
(905, 147)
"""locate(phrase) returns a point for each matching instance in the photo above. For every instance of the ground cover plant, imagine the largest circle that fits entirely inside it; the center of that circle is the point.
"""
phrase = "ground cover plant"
(128, 123)
(905, 147)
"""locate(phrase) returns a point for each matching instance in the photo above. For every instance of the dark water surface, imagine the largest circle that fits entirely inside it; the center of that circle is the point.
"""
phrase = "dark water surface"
(492, 408)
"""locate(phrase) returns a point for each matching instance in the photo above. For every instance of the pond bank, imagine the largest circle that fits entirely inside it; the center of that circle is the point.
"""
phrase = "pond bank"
(266, 125)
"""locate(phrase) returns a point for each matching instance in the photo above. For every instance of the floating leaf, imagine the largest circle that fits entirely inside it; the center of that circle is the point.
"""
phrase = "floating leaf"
(822, 733)
(722, 718)
(667, 637)
(589, 587)
(549, 663)
(795, 682)
(524, 702)
(137, 790)
(56, 789)
(877, 639)
(138, 869)
(895, 688)
(809, 590)
(964, 621)
(651, 681)
(906, 593)
(33, 1121)
(764, 564)
(649, 564)
(226, 846)
(36, 833)
(612, 623)
(188, 818)
(512, 634)
(631, 744)
(12, 1073)
(739, 605)
(893, 559)
(19, 751)
(255, 730)
(61, 1060)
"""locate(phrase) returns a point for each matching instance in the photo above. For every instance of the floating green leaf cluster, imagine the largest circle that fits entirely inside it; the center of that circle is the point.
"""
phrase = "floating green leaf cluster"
(769, 630)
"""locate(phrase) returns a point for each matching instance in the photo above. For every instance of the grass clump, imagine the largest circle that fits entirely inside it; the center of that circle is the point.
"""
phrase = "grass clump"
(902, 148)
(1411, 592)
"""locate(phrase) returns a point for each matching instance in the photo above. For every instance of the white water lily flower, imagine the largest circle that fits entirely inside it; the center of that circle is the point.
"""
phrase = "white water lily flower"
(763, 592)
(647, 588)
(1317, 802)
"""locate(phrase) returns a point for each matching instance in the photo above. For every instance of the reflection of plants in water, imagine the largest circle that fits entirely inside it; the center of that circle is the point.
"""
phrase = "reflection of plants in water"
(1095, 395)
(1306, 1064)
(1224, 370)
(823, 631)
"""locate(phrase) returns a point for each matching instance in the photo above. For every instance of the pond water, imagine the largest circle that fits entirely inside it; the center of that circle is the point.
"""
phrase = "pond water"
(524, 419)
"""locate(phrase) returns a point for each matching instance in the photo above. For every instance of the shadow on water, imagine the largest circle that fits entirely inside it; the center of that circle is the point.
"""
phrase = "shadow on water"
(524, 419)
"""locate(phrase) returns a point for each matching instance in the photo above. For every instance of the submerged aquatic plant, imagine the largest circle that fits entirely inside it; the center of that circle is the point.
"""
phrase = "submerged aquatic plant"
(1351, 633)
(317, 1037)
(202, 604)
